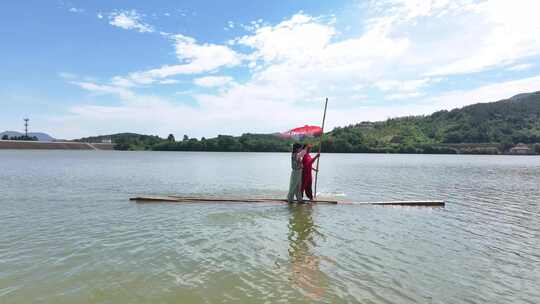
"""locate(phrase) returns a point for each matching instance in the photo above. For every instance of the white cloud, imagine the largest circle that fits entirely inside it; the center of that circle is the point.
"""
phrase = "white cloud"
(496, 33)
(122, 82)
(76, 10)
(196, 58)
(137, 114)
(404, 89)
(292, 39)
(410, 95)
(520, 67)
(169, 81)
(486, 93)
(129, 20)
(104, 89)
(186, 92)
(409, 10)
(253, 25)
(212, 81)
(203, 57)
(298, 62)
(402, 86)
(216, 116)
(100, 15)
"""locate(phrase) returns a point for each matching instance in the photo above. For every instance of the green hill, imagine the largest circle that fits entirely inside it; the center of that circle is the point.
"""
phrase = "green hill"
(483, 128)
(502, 124)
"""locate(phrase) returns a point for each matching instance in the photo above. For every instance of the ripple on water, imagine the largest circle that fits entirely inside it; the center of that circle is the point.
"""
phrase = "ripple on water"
(76, 238)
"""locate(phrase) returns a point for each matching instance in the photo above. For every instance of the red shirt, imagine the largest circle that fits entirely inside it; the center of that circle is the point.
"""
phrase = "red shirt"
(307, 163)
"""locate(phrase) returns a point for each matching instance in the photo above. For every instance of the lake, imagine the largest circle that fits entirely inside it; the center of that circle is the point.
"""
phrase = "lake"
(69, 234)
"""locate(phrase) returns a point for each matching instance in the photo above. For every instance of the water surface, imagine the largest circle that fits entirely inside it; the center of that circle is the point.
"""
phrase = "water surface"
(68, 233)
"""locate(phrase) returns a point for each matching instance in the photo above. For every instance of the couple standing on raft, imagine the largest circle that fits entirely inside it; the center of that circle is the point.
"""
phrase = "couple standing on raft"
(302, 165)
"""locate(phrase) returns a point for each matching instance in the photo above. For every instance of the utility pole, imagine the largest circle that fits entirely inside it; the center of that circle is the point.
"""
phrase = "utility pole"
(26, 127)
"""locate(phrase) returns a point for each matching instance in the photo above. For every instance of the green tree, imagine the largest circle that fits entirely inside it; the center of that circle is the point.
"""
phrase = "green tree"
(122, 143)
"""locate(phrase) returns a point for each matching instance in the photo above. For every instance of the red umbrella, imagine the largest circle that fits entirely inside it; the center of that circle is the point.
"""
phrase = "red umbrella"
(301, 132)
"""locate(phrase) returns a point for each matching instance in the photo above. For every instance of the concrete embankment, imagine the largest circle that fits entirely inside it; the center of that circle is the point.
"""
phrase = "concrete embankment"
(40, 145)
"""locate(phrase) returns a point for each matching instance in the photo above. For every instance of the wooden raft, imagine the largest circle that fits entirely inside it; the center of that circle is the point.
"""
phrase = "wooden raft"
(186, 199)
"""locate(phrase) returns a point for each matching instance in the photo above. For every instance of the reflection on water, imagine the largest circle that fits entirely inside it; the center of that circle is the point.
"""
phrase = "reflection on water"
(305, 264)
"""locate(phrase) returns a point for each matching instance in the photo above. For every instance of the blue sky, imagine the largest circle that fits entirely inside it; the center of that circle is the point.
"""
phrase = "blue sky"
(202, 68)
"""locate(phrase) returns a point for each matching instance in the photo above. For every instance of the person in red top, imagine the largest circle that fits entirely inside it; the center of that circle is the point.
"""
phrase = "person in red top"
(307, 164)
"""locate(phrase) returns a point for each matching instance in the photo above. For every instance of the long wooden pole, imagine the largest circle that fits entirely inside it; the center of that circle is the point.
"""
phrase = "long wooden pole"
(187, 199)
(320, 145)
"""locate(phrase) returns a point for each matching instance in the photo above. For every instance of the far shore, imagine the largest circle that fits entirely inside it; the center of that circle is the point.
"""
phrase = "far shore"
(53, 145)
(71, 145)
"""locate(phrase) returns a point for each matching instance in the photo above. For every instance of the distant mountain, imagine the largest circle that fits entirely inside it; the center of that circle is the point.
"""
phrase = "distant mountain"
(40, 136)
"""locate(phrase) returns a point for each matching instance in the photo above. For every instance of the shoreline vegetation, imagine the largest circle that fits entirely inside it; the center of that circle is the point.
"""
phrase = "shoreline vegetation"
(19, 138)
(510, 126)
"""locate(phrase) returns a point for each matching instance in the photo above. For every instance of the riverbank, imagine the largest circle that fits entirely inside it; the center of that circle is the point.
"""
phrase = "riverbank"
(40, 145)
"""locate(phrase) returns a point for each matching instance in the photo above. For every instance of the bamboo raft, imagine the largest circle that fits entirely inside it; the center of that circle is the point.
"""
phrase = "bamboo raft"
(187, 199)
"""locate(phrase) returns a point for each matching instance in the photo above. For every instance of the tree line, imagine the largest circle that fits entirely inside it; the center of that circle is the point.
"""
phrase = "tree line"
(28, 138)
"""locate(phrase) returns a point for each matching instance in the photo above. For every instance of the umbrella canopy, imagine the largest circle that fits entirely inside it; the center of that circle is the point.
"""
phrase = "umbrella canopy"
(301, 132)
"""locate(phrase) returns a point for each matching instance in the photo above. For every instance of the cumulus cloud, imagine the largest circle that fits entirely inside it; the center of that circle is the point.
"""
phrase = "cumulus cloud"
(298, 62)
(293, 39)
(128, 20)
(403, 49)
(195, 58)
